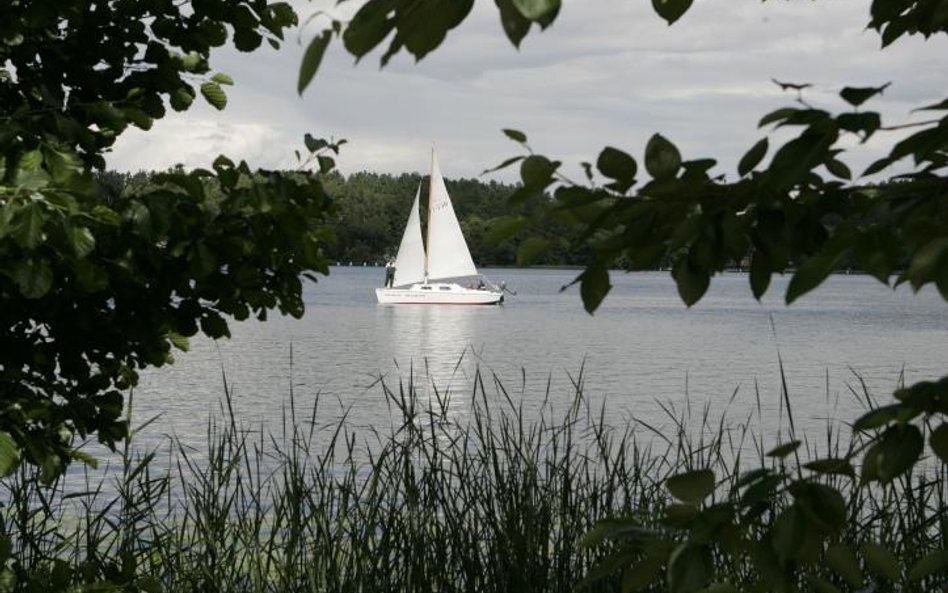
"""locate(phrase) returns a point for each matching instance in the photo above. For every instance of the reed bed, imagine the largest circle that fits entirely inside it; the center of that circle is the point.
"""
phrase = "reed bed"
(486, 501)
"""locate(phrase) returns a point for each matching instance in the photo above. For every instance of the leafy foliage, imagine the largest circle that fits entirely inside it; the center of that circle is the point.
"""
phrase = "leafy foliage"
(801, 528)
(98, 282)
(802, 213)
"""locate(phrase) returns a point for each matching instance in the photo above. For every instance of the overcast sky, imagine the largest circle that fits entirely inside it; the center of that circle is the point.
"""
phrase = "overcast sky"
(608, 72)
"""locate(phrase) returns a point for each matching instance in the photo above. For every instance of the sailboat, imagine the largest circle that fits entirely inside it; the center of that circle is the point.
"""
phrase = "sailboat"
(444, 274)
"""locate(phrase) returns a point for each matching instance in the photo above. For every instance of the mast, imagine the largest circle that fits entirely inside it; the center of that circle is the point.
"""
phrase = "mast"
(428, 226)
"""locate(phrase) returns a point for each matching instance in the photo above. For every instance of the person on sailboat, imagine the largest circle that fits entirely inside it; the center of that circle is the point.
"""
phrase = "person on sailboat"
(389, 274)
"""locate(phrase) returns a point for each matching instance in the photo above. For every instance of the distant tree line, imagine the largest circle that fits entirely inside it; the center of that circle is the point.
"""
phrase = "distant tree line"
(370, 211)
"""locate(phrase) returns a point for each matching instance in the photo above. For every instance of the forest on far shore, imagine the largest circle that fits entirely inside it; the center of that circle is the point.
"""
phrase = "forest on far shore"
(371, 210)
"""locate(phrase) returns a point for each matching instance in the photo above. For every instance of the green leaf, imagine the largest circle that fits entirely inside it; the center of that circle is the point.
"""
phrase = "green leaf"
(689, 568)
(504, 164)
(934, 563)
(878, 417)
(838, 168)
(34, 277)
(221, 78)
(693, 486)
(939, 441)
(516, 26)
(753, 157)
(9, 454)
(515, 135)
(314, 144)
(530, 249)
(178, 341)
(926, 262)
(214, 94)
(821, 585)
(778, 115)
(899, 449)
(643, 573)
(326, 164)
(671, 10)
(62, 165)
(881, 561)
(843, 560)
(809, 275)
(537, 171)
(662, 159)
(760, 272)
(618, 165)
(610, 529)
(789, 533)
(81, 240)
(795, 160)
(504, 228)
(181, 98)
(594, 286)
(858, 96)
(781, 451)
(84, 458)
(311, 60)
(691, 282)
(27, 225)
(823, 505)
(214, 325)
(368, 28)
(536, 10)
(866, 123)
(840, 467)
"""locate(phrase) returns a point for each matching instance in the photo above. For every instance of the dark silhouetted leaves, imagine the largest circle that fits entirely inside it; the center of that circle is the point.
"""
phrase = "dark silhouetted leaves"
(515, 135)
(594, 286)
(809, 275)
(831, 466)
(369, 27)
(843, 560)
(897, 452)
(939, 441)
(312, 59)
(693, 486)
(689, 568)
(753, 157)
(619, 166)
(858, 96)
(516, 26)
(881, 561)
(934, 563)
(823, 506)
(671, 10)
(781, 451)
(662, 159)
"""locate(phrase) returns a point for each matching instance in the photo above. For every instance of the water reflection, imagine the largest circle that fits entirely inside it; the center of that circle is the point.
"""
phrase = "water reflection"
(432, 344)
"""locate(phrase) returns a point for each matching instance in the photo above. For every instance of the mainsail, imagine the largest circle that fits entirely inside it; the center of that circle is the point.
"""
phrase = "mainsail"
(448, 255)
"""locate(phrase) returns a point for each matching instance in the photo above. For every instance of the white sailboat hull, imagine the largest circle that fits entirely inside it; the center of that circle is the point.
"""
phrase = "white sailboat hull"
(438, 293)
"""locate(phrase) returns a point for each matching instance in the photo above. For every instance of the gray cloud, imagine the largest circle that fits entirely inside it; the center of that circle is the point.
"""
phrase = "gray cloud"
(609, 72)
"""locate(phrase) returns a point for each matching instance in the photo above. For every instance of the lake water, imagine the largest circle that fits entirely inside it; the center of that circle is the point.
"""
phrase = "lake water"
(642, 348)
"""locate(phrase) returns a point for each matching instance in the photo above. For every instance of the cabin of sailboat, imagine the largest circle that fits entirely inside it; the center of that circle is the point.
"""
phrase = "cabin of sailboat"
(444, 273)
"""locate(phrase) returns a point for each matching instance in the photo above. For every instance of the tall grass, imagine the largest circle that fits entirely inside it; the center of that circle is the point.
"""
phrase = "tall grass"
(488, 500)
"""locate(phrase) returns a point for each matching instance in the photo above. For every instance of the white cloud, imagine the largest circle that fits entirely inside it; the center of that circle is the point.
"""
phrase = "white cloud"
(609, 72)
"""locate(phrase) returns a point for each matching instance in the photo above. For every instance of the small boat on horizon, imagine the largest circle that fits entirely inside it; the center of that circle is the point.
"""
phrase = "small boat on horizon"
(444, 274)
